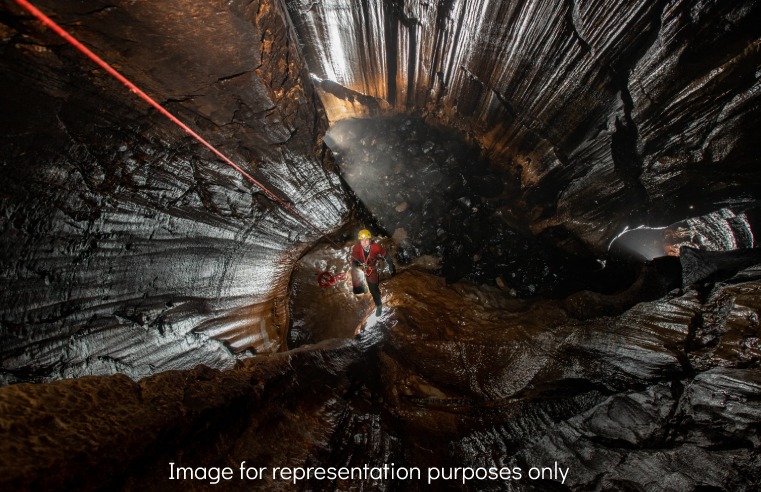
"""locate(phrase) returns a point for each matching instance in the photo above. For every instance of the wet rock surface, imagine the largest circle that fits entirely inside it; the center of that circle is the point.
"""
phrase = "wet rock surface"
(609, 113)
(124, 250)
(720, 230)
(451, 376)
(600, 117)
(321, 302)
(126, 246)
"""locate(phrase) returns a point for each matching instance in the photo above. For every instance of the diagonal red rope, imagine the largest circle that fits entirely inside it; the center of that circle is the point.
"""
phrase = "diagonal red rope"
(142, 95)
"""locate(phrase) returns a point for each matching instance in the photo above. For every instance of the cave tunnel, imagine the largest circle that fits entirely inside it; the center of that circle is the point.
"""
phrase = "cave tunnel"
(569, 190)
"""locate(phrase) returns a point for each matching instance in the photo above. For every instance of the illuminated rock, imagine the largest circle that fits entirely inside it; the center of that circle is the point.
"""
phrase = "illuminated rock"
(126, 248)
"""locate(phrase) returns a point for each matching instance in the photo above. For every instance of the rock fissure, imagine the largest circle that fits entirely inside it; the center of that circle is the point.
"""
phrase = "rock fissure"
(572, 19)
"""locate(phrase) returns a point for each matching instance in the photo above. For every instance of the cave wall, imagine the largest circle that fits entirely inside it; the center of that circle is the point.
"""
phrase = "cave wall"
(664, 396)
(612, 114)
(127, 246)
(609, 114)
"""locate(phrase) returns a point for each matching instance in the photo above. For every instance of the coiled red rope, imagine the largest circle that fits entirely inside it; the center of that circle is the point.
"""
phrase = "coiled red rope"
(47, 21)
(327, 279)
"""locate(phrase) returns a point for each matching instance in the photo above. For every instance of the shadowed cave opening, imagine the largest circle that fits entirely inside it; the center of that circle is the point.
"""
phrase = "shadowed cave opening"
(436, 196)
(439, 206)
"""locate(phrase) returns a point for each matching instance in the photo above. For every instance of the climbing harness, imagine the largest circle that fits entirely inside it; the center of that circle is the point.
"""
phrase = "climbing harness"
(47, 21)
(327, 279)
(367, 269)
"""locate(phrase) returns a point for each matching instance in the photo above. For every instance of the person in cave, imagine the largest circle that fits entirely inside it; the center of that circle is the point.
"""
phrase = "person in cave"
(364, 258)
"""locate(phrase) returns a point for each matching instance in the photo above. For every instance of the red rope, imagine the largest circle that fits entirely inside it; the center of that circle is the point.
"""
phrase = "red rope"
(135, 89)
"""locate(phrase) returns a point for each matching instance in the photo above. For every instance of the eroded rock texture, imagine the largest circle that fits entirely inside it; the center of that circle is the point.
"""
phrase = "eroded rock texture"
(611, 114)
(662, 397)
(127, 246)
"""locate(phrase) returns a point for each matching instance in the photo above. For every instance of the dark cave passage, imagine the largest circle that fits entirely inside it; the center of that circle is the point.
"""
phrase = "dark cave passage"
(433, 194)
(440, 208)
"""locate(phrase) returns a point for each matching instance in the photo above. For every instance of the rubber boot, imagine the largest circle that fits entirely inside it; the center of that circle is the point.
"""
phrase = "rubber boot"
(378, 309)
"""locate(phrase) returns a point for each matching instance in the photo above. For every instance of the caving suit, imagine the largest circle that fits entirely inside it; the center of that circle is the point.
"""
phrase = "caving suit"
(367, 259)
